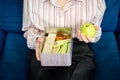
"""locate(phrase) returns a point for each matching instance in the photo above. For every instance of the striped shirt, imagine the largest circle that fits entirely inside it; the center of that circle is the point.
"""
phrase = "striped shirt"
(39, 14)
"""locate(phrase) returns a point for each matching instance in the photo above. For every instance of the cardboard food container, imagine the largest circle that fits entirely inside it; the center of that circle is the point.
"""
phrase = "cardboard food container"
(57, 47)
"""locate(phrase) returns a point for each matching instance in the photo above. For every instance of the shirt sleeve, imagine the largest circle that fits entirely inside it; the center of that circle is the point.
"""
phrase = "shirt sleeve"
(29, 27)
(97, 19)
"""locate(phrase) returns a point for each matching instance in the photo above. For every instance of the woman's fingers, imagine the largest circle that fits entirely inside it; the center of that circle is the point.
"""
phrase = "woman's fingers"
(84, 38)
(81, 37)
(91, 39)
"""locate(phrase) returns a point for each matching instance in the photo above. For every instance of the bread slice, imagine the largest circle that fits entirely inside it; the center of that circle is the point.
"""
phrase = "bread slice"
(49, 42)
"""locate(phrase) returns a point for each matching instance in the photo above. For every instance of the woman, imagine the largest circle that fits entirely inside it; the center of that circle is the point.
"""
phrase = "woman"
(39, 14)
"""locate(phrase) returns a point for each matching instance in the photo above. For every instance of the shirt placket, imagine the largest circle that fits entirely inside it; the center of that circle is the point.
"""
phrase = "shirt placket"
(67, 7)
(62, 21)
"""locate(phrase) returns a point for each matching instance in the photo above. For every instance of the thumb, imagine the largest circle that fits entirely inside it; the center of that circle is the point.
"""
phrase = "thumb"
(37, 51)
(38, 43)
(39, 40)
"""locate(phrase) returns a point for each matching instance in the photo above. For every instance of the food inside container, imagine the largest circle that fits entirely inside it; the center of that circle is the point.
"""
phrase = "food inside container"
(56, 48)
(57, 42)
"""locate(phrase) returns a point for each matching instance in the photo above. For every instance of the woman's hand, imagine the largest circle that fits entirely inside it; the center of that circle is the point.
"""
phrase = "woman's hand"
(86, 39)
(38, 43)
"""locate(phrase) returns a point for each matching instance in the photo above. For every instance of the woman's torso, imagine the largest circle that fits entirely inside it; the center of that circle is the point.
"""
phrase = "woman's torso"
(47, 13)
